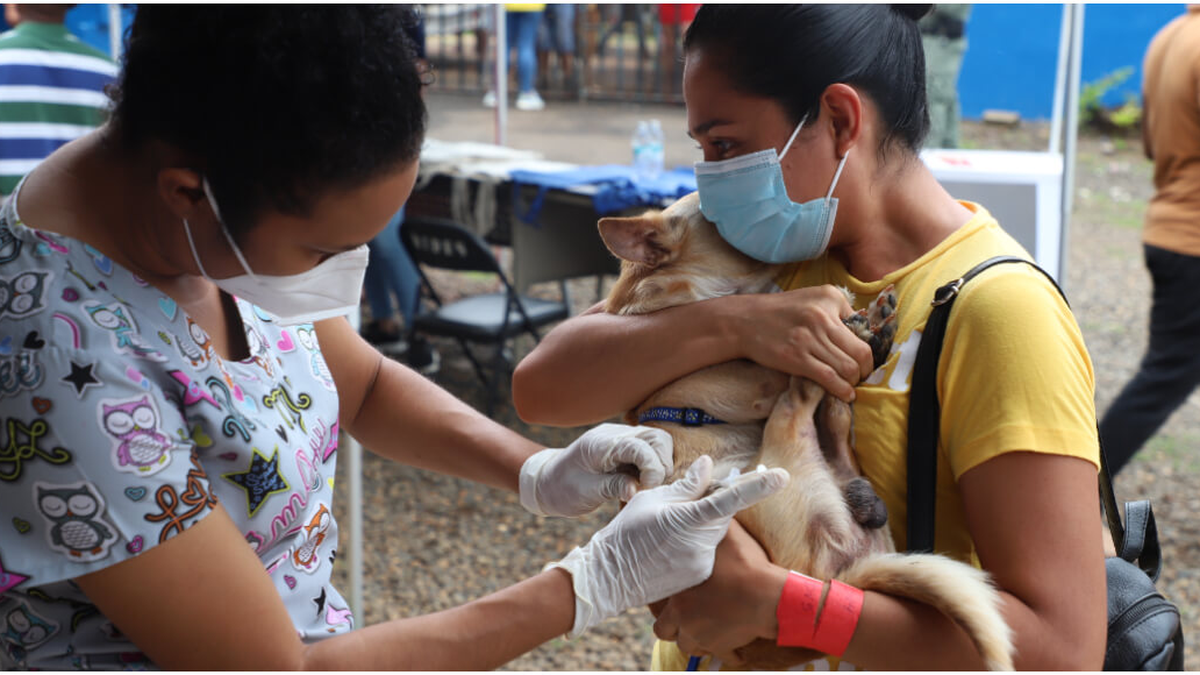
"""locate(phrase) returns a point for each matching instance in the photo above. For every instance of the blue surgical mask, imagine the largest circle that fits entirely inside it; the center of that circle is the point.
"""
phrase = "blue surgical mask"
(745, 197)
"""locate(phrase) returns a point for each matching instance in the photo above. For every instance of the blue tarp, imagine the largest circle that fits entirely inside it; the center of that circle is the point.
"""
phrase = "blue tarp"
(618, 187)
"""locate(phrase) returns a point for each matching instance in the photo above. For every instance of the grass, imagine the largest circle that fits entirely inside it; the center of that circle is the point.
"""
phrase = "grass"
(1122, 252)
(1175, 450)
(1126, 214)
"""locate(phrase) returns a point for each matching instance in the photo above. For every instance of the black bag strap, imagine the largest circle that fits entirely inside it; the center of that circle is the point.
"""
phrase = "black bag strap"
(1136, 541)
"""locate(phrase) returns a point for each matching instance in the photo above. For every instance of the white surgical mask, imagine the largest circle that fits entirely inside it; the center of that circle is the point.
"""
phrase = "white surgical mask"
(330, 289)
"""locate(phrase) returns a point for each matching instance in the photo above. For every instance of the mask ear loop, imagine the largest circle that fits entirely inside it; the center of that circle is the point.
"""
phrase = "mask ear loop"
(212, 202)
(187, 229)
(793, 137)
(837, 175)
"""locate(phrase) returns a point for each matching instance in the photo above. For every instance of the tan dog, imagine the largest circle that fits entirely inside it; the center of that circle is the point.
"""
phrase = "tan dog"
(827, 523)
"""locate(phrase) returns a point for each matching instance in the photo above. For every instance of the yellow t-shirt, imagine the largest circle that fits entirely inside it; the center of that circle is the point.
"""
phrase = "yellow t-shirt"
(1014, 375)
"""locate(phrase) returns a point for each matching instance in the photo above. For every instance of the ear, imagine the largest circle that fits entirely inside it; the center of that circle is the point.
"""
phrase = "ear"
(180, 189)
(845, 109)
(637, 239)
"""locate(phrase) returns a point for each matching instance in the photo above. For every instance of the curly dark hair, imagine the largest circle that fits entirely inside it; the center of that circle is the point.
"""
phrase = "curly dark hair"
(279, 103)
(791, 53)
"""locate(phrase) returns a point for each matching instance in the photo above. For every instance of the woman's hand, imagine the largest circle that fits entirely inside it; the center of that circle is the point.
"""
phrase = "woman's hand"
(578, 479)
(733, 608)
(662, 542)
(801, 332)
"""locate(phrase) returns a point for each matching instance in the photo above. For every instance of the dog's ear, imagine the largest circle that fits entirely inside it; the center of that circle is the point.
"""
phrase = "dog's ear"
(637, 239)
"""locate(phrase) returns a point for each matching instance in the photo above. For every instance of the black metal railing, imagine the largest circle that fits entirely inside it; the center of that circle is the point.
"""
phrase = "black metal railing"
(622, 52)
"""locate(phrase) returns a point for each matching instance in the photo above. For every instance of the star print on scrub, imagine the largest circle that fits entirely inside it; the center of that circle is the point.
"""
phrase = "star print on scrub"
(80, 378)
(260, 481)
(9, 579)
(122, 427)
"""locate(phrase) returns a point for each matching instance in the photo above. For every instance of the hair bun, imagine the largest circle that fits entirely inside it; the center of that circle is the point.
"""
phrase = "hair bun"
(913, 11)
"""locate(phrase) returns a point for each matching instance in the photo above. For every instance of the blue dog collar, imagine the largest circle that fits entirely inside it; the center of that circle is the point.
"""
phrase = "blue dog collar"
(688, 417)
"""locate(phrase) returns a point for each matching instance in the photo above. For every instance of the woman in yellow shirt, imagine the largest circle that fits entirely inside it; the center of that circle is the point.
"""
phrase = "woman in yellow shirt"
(839, 92)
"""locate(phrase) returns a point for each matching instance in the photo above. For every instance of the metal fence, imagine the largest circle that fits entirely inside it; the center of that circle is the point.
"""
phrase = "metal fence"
(625, 52)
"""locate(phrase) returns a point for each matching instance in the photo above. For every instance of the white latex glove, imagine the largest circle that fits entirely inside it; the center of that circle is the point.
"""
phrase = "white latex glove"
(663, 542)
(578, 479)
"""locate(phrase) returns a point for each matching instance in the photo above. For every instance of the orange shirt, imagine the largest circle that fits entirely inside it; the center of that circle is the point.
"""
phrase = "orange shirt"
(1171, 92)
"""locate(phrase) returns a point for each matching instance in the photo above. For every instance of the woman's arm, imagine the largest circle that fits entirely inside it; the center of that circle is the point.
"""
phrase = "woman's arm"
(1035, 522)
(597, 365)
(202, 602)
(401, 415)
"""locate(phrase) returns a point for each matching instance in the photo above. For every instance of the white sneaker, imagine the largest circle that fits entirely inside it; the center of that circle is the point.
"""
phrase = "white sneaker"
(489, 99)
(530, 100)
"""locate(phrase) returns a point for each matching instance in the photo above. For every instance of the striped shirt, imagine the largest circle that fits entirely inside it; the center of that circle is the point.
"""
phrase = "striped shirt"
(51, 92)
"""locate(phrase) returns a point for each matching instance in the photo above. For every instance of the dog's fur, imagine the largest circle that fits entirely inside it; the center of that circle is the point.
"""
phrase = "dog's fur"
(826, 523)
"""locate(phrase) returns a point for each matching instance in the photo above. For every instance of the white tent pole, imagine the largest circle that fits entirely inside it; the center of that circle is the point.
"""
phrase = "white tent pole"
(354, 460)
(354, 455)
(114, 32)
(501, 75)
(1060, 80)
(1071, 104)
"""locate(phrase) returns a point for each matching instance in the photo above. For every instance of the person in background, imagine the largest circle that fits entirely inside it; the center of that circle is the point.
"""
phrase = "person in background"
(521, 25)
(944, 37)
(673, 19)
(556, 35)
(391, 273)
(1170, 369)
(51, 88)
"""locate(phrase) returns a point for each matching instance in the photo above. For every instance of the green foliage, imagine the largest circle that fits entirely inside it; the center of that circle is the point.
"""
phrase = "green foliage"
(1093, 113)
(1128, 115)
(1092, 92)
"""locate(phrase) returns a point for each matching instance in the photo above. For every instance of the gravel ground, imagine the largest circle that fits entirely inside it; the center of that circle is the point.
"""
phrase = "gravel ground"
(434, 542)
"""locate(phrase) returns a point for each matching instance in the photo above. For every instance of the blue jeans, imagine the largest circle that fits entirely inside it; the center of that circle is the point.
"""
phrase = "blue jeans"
(521, 31)
(390, 271)
(556, 32)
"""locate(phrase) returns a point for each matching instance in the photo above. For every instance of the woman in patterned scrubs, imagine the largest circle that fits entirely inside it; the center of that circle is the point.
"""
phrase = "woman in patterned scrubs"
(175, 370)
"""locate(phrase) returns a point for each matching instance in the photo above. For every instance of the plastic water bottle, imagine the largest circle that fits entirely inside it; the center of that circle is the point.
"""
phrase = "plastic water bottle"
(647, 145)
(655, 161)
(641, 149)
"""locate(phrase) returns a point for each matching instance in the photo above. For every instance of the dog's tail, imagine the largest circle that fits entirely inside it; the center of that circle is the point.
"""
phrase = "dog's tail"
(961, 592)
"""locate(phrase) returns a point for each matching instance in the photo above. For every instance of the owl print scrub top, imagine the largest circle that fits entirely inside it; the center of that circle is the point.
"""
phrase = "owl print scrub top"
(120, 427)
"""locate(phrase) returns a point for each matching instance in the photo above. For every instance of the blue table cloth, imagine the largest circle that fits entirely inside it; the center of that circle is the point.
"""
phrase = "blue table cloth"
(617, 187)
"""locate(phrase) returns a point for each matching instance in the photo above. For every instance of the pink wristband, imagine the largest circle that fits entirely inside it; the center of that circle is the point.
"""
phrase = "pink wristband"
(803, 622)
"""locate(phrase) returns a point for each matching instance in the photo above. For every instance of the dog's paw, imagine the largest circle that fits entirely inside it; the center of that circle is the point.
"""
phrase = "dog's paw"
(881, 319)
(876, 324)
(866, 506)
(883, 307)
(860, 324)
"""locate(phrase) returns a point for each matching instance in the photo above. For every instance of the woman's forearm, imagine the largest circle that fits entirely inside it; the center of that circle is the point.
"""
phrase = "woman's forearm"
(597, 366)
(408, 419)
(400, 415)
(481, 635)
(897, 634)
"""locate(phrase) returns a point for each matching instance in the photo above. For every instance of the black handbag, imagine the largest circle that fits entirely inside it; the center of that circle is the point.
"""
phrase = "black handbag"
(1144, 628)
